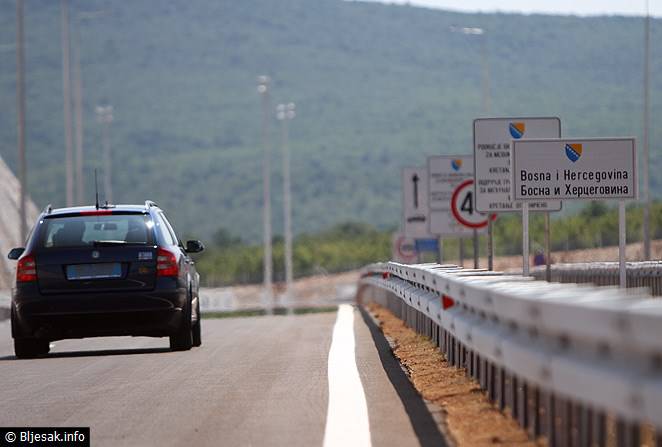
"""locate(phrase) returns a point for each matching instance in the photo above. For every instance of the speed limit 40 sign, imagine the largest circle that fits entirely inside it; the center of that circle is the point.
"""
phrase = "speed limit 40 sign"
(464, 209)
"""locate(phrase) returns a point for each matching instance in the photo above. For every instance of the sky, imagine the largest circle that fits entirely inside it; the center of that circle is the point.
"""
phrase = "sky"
(574, 7)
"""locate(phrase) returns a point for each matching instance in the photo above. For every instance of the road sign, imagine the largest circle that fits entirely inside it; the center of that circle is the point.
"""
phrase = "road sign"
(445, 173)
(492, 143)
(415, 210)
(403, 249)
(584, 169)
(463, 207)
(430, 245)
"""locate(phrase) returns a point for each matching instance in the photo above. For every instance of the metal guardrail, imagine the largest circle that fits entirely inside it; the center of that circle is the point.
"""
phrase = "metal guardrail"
(639, 274)
(565, 360)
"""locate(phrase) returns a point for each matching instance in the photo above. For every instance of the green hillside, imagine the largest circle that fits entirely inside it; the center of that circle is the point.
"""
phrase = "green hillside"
(376, 87)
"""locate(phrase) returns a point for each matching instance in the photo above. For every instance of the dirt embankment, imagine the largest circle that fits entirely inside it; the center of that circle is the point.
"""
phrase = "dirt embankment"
(470, 418)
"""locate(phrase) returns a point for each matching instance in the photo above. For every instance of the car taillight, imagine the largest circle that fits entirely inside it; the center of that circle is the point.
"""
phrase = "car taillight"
(26, 270)
(166, 263)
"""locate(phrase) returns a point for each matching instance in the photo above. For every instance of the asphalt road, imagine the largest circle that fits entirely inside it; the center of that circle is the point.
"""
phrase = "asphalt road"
(258, 381)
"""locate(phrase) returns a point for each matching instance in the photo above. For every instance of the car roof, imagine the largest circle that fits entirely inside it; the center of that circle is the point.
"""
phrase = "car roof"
(114, 208)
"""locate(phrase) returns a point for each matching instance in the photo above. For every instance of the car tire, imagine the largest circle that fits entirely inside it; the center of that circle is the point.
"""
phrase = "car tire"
(29, 348)
(26, 348)
(182, 340)
(197, 328)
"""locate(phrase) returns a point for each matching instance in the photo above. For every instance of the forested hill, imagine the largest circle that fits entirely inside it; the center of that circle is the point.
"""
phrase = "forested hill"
(377, 87)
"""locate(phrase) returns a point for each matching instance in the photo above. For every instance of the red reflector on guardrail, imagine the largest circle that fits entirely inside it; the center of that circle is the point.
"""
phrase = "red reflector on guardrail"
(447, 302)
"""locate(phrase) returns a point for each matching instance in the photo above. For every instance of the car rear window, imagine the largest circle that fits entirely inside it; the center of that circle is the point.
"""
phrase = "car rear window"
(86, 231)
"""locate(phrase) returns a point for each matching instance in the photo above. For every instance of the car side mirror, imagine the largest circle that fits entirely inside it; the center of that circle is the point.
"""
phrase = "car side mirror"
(15, 253)
(194, 246)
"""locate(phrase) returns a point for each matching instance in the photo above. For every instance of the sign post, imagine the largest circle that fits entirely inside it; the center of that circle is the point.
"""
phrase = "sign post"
(492, 146)
(577, 169)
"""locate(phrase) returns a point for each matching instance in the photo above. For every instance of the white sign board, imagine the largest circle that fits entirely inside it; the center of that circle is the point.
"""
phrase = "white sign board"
(492, 143)
(585, 169)
(445, 173)
(415, 211)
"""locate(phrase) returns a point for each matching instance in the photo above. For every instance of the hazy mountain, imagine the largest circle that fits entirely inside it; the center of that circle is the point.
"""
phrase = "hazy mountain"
(377, 87)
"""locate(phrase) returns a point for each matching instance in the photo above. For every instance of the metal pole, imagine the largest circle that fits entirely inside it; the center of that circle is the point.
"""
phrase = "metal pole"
(108, 163)
(621, 244)
(440, 252)
(646, 181)
(525, 239)
(263, 89)
(461, 242)
(20, 108)
(105, 117)
(486, 74)
(78, 113)
(476, 262)
(66, 96)
(286, 113)
(490, 244)
(548, 250)
(487, 105)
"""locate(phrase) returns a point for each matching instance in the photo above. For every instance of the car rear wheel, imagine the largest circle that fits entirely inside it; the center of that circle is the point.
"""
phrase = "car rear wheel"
(182, 340)
(197, 329)
(28, 348)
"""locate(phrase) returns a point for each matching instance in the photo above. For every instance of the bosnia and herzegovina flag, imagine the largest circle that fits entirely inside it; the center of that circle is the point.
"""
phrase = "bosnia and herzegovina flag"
(573, 151)
(517, 130)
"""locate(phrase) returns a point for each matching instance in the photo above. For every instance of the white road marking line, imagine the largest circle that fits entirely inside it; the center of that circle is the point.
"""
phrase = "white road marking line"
(347, 422)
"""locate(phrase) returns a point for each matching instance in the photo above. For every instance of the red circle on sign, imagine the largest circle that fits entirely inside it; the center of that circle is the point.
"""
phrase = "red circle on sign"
(400, 245)
(457, 214)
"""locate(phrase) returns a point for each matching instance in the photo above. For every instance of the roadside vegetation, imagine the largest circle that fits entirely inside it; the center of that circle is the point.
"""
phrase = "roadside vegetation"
(229, 260)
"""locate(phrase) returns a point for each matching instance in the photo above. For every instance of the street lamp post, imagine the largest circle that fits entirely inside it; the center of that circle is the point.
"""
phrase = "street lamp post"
(66, 96)
(105, 117)
(263, 90)
(485, 99)
(286, 113)
(78, 112)
(78, 99)
(20, 108)
(646, 117)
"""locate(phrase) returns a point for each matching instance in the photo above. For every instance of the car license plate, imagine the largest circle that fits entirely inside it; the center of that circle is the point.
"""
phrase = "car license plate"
(94, 271)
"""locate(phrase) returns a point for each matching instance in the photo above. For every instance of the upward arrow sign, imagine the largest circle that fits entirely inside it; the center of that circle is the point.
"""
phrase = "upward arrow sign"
(415, 180)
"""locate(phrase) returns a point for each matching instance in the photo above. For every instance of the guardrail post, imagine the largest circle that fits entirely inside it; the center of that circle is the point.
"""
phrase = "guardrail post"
(513, 396)
(533, 407)
(550, 419)
(522, 401)
(599, 429)
(627, 434)
(482, 372)
(501, 387)
(575, 424)
(491, 382)
(585, 426)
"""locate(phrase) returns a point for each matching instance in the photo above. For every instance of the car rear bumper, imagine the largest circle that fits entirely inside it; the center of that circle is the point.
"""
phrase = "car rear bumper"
(155, 313)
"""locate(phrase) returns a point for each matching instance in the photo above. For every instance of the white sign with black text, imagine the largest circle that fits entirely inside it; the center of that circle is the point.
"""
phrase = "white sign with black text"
(492, 145)
(574, 169)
